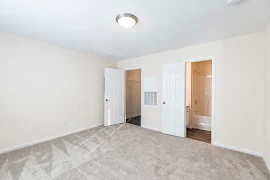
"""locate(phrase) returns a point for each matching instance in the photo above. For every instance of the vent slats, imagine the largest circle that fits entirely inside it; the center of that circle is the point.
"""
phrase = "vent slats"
(150, 98)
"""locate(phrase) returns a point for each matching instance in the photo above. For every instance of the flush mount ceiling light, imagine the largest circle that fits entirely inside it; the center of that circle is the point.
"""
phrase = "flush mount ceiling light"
(126, 20)
(233, 2)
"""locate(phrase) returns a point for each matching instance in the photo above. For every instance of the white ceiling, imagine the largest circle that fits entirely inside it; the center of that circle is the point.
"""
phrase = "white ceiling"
(90, 26)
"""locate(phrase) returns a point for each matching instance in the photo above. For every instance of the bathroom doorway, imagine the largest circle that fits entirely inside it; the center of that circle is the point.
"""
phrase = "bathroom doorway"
(133, 97)
(199, 100)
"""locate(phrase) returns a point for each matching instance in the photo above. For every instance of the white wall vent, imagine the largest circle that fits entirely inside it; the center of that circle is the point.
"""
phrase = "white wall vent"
(150, 91)
(150, 98)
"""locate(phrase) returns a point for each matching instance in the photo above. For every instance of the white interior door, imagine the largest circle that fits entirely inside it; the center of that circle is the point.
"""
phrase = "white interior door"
(114, 97)
(174, 106)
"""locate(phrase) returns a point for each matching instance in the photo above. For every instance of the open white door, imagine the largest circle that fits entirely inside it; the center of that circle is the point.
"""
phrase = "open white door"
(114, 97)
(174, 109)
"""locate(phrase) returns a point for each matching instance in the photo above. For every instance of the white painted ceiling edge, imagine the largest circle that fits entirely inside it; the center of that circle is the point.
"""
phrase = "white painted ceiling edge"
(90, 26)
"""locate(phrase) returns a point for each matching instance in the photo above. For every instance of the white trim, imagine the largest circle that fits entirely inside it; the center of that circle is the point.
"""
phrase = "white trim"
(46, 139)
(246, 151)
(134, 115)
(153, 129)
(213, 91)
(128, 69)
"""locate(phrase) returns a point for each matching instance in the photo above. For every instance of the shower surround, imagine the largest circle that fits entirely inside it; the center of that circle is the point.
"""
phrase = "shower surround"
(201, 97)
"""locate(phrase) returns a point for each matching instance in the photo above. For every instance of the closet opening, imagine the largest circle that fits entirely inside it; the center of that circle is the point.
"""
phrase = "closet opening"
(133, 97)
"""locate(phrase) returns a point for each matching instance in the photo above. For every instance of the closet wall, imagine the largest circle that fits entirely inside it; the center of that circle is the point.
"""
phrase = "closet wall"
(133, 93)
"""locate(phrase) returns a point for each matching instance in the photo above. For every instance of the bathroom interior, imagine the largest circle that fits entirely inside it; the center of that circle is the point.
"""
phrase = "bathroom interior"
(199, 100)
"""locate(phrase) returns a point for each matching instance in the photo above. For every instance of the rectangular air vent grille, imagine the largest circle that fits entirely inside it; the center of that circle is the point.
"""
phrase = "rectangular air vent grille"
(150, 98)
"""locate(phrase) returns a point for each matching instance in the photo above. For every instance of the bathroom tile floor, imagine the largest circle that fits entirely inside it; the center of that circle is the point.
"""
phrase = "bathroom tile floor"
(200, 135)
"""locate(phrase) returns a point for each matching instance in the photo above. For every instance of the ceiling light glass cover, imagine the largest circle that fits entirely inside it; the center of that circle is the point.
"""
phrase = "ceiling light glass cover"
(233, 2)
(126, 20)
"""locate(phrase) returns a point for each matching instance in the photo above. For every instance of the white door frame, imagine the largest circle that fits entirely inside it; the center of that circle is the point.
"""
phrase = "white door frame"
(129, 69)
(213, 92)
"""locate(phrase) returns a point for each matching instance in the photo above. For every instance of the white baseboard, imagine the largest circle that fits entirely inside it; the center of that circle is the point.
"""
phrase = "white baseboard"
(46, 139)
(153, 129)
(222, 145)
(246, 151)
(132, 116)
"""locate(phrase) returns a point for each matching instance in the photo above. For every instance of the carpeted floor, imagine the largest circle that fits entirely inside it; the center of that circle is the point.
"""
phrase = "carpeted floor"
(129, 152)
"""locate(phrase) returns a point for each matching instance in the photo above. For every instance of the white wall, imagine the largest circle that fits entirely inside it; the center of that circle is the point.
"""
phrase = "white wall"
(267, 100)
(239, 64)
(43, 86)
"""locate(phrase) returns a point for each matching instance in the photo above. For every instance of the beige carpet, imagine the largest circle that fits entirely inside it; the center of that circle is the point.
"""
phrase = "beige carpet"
(128, 152)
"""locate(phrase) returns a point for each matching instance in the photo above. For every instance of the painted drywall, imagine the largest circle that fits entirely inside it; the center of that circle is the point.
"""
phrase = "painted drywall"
(239, 88)
(188, 84)
(267, 100)
(133, 93)
(47, 90)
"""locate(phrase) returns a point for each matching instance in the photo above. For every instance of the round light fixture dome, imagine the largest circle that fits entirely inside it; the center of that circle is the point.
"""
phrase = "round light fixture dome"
(233, 2)
(126, 20)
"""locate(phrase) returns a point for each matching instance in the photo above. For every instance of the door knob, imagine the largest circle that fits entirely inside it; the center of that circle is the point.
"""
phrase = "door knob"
(164, 102)
(106, 100)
